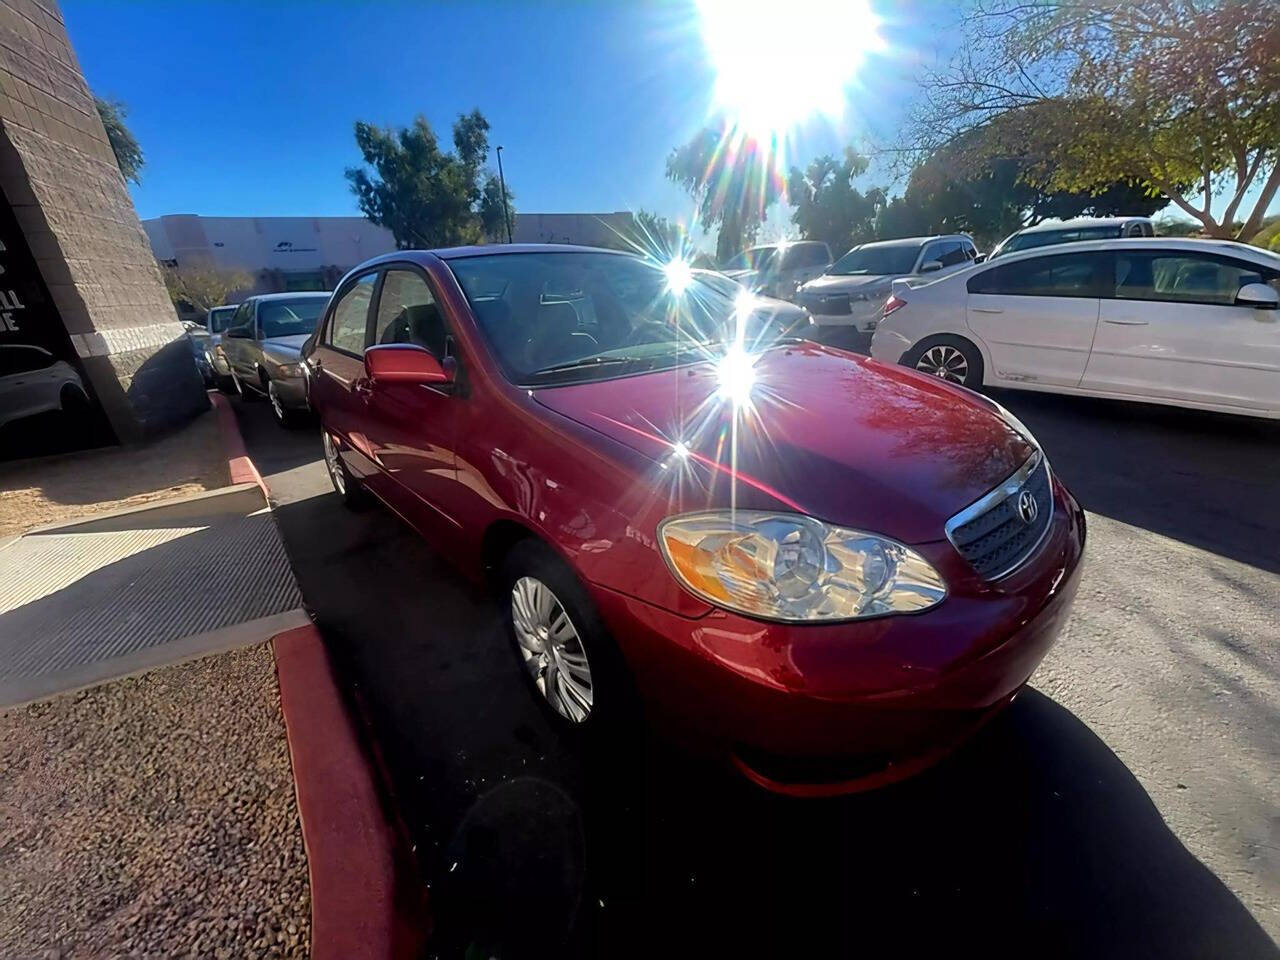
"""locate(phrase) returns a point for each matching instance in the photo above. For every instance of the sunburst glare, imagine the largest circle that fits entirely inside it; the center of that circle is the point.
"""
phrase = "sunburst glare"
(766, 98)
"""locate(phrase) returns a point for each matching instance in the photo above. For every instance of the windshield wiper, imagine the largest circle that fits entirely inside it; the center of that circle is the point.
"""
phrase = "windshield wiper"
(585, 362)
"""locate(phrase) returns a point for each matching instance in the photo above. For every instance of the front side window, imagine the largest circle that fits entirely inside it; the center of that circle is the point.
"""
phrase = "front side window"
(242, 319)
(1064, 275)
(952, 253)
(351, 315)
(806, 255)
(876, 261)
(23, 359)
(1184, 277)
(408, 313)
(289, 318)
(1048, 238)
(563, 317)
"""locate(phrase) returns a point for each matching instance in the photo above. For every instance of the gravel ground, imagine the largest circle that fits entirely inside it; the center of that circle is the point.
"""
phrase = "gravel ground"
(56, 489)
(153, 817)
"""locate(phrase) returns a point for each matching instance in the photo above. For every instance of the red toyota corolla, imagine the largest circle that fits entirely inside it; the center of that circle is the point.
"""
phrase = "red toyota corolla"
(829, 570)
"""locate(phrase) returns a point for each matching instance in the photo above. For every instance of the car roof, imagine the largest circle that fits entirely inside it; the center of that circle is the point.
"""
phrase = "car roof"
(1188, 244)
(298, 295)
(1077, 223)
(914, 241)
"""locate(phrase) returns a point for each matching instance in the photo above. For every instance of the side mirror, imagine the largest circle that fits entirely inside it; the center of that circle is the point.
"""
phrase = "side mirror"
(980, 258)
(191, 326)
(931, 266)
(1258, 295)
(237, 333)
(403, 363)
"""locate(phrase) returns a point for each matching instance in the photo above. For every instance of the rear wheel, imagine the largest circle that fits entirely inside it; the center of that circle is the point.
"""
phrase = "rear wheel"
(953, 359)
(571, 662)
(346, 485)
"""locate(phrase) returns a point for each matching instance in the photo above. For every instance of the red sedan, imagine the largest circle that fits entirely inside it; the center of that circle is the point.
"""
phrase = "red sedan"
(829, 570)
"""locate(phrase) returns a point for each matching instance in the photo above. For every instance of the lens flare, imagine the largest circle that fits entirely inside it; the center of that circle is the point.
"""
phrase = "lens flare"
(767, 98)
(737, 376)
(679, 276)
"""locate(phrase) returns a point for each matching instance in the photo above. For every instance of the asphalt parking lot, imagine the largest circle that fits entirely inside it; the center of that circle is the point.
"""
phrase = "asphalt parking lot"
(1128, 805)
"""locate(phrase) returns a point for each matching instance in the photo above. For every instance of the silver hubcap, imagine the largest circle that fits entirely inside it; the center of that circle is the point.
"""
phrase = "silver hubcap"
(276, 405)
(945, 362)
(331, 461)
(551, 648)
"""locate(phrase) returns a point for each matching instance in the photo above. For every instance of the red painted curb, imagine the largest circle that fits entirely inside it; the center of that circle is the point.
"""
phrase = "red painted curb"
(367, 901)
(239, 465)
(362, 893)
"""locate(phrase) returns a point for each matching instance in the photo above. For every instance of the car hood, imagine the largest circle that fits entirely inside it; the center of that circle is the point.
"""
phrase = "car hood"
(833, 284)
(287, 348)
(829, 434)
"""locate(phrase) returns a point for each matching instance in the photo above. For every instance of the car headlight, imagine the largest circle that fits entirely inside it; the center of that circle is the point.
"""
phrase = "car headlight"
(784, 566)
(289, 369)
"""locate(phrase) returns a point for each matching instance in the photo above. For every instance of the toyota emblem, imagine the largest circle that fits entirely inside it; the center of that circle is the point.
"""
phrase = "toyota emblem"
(1028, 509)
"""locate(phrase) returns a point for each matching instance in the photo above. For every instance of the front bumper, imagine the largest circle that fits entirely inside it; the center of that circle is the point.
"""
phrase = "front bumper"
(820, 710)
(863, 315)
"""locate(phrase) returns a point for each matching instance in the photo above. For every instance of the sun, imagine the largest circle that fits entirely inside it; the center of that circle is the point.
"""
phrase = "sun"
(779, 64)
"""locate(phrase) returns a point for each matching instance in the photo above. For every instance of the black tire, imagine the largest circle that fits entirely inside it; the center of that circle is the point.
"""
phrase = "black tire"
(345, 484)
(285, 416)
(615, 706)
(935, 353)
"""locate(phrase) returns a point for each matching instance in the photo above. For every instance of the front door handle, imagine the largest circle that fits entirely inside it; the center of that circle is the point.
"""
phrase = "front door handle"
(1122, 322)
(987, 309)
(363, 387)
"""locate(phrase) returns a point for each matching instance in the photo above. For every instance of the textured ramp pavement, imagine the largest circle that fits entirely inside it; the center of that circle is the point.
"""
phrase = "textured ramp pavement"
(109, 597)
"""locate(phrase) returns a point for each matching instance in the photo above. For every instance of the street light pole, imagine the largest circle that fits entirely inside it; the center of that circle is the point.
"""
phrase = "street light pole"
(502, 181)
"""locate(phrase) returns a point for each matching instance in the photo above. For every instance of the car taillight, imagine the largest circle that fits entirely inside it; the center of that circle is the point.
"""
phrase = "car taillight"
(894, 302)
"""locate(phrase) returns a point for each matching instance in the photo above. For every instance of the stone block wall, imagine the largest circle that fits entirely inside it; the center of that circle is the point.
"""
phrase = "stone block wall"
(59, 175)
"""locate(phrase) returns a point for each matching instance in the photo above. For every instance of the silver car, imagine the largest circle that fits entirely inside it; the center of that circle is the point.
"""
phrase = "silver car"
(263, 345)
(779, 269)
(205, 338)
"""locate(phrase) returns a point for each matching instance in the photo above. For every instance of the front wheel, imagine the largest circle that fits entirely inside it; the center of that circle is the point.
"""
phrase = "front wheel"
(953, 359)
(576, 671)
(284, 416)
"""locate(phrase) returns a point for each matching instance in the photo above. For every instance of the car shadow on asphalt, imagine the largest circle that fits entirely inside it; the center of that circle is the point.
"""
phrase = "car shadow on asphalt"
(1206, 479)
(1035, 838)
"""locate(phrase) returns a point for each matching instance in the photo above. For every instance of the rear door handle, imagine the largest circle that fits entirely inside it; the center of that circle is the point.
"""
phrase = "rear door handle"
(987, 309)
(1119, 322)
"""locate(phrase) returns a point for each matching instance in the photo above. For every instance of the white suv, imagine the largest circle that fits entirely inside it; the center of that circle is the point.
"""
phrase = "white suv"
(854, 288)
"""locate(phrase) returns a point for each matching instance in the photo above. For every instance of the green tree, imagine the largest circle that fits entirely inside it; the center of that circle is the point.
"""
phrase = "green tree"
(204, 286)
(733, 180)
(128, 154)
(428, 197)
(829, 207)
(1180, 97)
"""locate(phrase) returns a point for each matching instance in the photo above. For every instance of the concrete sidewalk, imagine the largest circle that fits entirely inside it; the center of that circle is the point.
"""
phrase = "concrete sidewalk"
(134, 589)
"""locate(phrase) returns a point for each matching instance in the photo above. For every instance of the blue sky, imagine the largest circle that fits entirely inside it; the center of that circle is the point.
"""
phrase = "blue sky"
(248, 110)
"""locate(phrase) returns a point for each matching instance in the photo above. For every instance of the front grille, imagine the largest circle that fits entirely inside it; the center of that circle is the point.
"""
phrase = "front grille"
(994, 534)
(828, 304)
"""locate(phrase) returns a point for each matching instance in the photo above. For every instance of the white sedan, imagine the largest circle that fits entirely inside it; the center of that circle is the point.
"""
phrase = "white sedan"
(1192, 323)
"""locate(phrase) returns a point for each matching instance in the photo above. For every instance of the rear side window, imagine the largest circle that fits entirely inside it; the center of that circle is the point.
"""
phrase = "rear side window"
(351, 316)
(407, 313)
(1064, 275)
(1183, 277)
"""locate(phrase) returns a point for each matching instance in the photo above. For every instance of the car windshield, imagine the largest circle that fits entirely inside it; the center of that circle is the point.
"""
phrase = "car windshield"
(876, 261)
(1048, 238)
(220, 318)
(289, 318)
(757, 258)
(560, 317)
